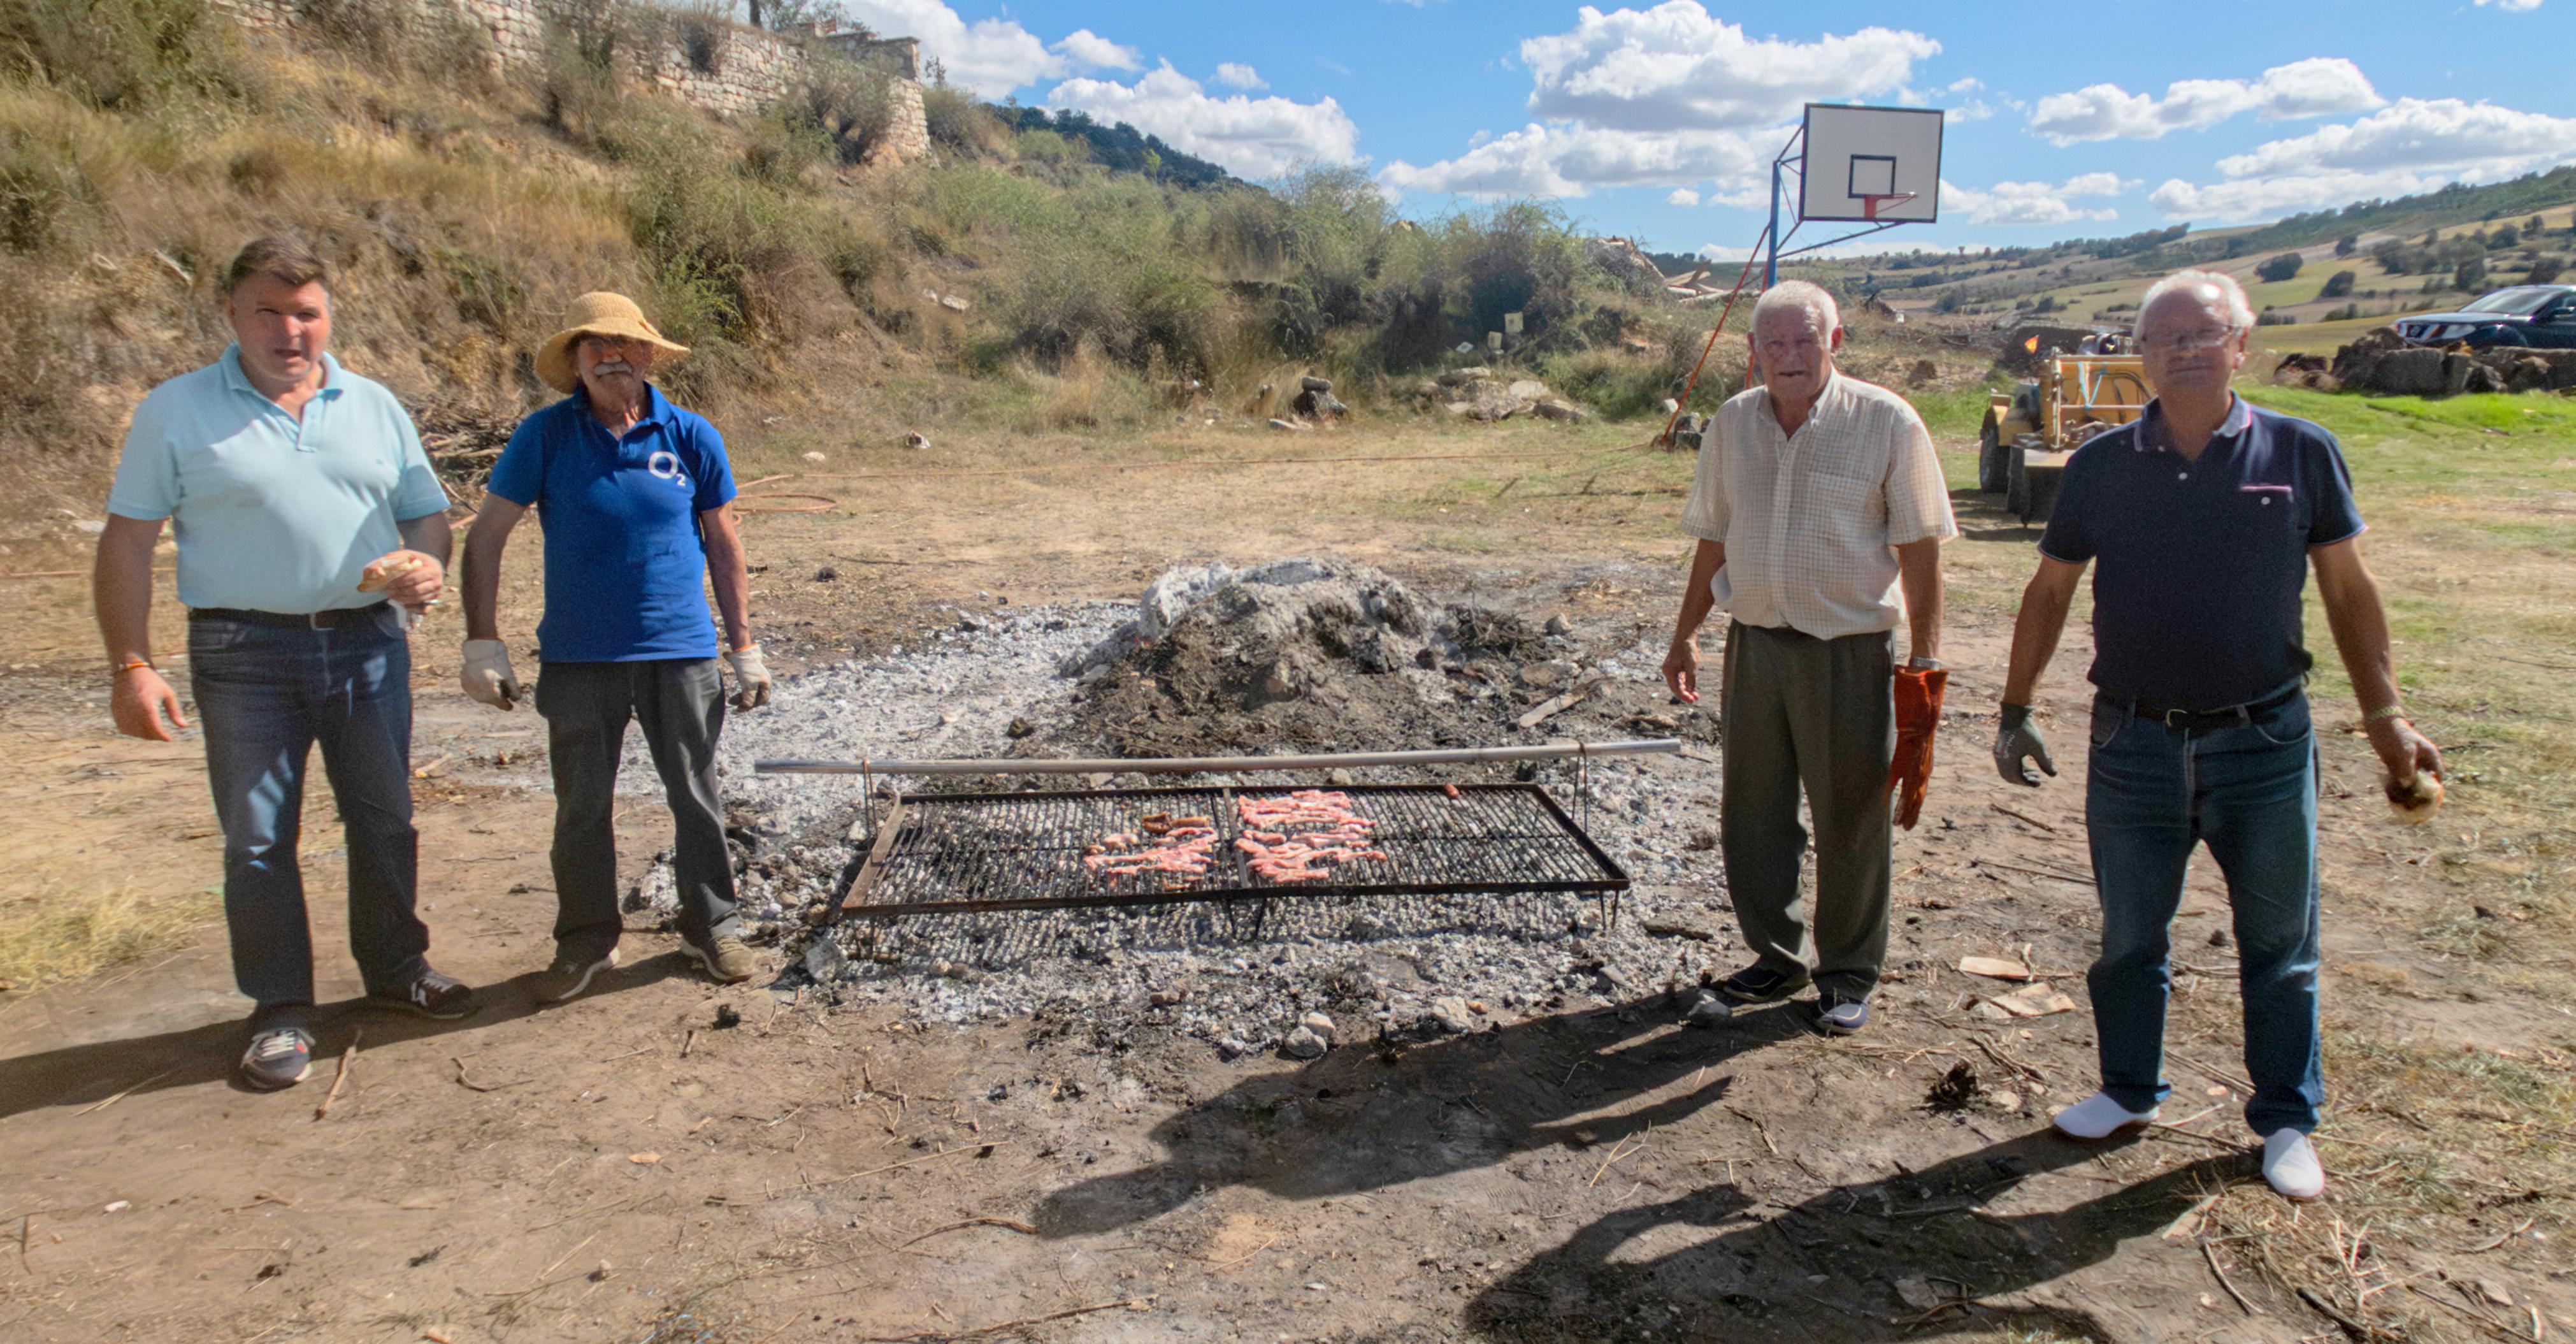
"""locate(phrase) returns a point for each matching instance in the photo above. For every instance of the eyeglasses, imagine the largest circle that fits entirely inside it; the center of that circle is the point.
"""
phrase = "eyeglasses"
(2190, 342)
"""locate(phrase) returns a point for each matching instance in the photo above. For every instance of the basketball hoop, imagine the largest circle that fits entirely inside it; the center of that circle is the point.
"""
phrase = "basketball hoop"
(1870, 205)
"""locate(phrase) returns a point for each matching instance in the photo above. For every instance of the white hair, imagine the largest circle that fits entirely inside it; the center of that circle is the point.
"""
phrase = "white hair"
(1811, 299)
(2217, 291)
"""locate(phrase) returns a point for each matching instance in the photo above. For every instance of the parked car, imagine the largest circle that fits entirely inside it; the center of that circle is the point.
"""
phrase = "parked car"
(2537, 315)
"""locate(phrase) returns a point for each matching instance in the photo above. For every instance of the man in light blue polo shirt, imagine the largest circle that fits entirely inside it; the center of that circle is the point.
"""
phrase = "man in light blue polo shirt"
(634, 494)
(309, 528)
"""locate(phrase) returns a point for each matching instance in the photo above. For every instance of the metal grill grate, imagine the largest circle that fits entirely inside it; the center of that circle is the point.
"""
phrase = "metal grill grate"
(965, 853)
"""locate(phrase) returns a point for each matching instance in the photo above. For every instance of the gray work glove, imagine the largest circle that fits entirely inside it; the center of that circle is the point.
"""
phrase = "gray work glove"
(486, 675)
(2017, 740)
(751, 677)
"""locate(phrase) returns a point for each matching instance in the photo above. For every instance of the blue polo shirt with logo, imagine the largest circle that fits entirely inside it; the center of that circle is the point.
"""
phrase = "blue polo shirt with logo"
(2199, 566)
(625, 562)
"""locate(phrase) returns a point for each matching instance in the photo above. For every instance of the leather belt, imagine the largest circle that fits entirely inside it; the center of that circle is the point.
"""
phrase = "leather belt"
(2204, 720)
(319, 620)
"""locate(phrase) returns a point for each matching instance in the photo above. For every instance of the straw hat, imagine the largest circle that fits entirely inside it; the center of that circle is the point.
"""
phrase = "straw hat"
(598, 313)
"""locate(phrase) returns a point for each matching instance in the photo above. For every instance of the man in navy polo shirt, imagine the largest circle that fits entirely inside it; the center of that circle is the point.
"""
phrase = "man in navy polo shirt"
(633, 493)
(2203, 518)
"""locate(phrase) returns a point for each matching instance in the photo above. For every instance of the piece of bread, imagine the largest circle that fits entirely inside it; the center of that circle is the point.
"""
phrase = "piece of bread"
(381, 574)
(2414, 800)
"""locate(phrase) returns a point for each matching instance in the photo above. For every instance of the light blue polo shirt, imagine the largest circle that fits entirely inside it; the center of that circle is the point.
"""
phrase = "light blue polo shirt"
(274, 513)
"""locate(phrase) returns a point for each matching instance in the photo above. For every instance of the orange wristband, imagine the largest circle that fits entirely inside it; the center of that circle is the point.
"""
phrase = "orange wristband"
(123, 668)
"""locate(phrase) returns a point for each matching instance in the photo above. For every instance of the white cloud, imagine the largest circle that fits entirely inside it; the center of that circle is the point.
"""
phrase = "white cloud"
(1250, 137)
(1240, 76)
(2032, 202)
(1969, 85)
(1675, 67)
(1975, 109)
(2511, 6)
(989, 57)
(2413, 145)
(2316, 87)
(1092, 49)
(1682, 196)
(1573, 159)
(1667, 96)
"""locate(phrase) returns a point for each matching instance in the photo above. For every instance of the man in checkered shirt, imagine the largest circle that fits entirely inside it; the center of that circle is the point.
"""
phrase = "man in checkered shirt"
(1820, 512)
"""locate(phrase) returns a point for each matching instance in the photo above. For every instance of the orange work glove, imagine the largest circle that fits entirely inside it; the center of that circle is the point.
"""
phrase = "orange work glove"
(1918, 715)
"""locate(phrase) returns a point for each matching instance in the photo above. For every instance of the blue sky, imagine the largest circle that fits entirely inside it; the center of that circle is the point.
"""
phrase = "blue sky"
(1658, 121)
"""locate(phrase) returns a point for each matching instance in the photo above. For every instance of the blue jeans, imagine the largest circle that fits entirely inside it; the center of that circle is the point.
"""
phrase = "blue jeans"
(2250, 793)
(265, 695)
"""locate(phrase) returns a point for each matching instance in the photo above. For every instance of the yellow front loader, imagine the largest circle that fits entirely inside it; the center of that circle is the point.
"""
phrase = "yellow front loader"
(2028, 435)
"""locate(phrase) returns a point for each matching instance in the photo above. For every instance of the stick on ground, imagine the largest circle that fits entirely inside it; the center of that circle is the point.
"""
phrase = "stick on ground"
(1130, 1303)
(348, 1058)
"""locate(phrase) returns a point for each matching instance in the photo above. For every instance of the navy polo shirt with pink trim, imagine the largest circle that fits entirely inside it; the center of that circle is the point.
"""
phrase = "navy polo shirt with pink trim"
(2199, 566)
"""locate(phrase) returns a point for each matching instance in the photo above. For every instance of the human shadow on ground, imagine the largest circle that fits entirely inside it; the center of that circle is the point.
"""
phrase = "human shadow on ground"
(1827, 1268)
(1368, 1116)
(83, 1074)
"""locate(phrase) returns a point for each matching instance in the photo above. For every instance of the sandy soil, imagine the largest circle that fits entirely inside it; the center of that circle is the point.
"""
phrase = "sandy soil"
(625, 1168)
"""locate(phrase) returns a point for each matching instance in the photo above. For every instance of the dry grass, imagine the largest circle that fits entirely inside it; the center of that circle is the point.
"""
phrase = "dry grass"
(65, 930)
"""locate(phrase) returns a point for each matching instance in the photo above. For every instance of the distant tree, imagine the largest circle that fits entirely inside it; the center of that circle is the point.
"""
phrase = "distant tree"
(2544, 271)
(2393, 258)
(2432, 236)
(2338, 285)
(2505, 236)
(2347, 245)
(2472, 274)
(2282, 267)
(2534, 225)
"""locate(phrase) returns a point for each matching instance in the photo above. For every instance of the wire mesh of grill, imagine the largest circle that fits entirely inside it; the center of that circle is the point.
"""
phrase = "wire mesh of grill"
(1025, 851)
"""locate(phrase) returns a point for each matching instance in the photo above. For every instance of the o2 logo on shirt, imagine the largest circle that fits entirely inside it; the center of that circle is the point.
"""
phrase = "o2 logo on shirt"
(666, 464)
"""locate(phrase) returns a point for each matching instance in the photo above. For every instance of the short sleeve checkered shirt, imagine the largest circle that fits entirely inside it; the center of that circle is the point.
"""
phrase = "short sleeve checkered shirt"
(1810, 521)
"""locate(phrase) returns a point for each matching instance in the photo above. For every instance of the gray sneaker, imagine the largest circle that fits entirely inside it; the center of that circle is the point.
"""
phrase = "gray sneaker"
(1842, 1016)
(279, 1057)
(726, 959)
(431, 994)
(570, 974)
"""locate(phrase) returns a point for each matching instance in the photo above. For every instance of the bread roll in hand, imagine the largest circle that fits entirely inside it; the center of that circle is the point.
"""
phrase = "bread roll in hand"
(381, 574)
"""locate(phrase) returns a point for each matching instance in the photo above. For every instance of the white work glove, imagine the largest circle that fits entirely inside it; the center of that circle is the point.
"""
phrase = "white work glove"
(487, 674)
(751, 677)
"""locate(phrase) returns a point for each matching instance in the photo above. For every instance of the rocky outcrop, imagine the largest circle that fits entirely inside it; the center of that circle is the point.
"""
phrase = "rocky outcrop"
(2380, 360)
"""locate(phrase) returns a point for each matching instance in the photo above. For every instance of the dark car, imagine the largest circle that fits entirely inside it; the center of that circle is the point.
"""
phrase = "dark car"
(2539, 315)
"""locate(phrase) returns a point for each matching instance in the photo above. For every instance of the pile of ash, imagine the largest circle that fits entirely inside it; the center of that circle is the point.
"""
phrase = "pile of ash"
(1302, 654)
(1294, 655)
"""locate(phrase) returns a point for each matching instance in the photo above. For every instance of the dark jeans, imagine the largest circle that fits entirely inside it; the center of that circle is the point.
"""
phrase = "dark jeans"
(2250, 793)
(265, 695)
(1818, 714)
(680, 704)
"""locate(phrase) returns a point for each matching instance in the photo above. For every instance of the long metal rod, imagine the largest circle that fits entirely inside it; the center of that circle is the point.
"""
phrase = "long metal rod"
(1185, 765)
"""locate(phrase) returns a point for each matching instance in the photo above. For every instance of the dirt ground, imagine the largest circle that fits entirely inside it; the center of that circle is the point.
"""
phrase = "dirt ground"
(628, 1167)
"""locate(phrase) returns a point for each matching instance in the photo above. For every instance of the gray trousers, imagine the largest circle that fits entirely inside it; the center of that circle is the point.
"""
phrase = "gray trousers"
(1817, 714)
(680, 704)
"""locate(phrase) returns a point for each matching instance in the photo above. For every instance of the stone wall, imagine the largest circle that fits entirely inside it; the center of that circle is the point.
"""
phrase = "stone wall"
(719, 66)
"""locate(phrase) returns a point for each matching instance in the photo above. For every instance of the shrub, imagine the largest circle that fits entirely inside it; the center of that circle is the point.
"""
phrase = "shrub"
(960, 125)
(2545, 270)
(2269, 318)
(2505, 236)
(2283, 267)
(2347, 245)
(122, 53)
(844, 103)
(2472, 274)
(2338, 285)
(429, 38)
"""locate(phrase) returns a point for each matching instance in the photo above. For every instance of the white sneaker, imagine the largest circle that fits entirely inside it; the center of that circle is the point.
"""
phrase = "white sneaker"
(2099, 1117)
(2290, 1164)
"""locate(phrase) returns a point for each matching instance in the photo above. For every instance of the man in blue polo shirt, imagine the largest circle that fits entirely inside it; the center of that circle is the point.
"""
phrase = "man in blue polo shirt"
(308, 520)
(2203, 519)
(633, 493)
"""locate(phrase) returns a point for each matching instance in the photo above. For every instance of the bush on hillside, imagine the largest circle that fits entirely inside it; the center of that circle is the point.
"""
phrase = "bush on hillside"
(2338, 285)
(2545, 270)
(2471, 275)
(431, 39)
(2347, 245)
(2282, 267)
(122, 54)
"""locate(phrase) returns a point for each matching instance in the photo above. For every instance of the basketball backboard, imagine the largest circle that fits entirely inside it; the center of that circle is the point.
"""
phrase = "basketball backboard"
(1871, 164)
